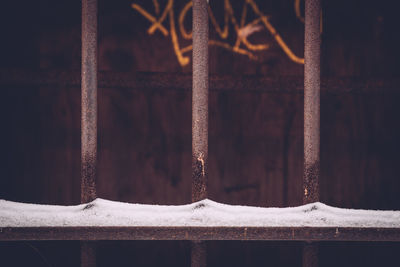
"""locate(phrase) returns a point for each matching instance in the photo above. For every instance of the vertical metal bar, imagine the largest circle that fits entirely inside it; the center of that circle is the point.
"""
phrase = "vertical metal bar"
(312, 52)
(89, 100)
(199, 254)
(88, 254)
(200, 101)
(89, 117)
(311, 101)
(199, 117)
(310, 255)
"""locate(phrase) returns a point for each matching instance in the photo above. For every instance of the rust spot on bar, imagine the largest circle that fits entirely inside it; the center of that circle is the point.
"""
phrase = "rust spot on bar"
(201, 160)
(88, 179)
(199, 180)
(310, 183)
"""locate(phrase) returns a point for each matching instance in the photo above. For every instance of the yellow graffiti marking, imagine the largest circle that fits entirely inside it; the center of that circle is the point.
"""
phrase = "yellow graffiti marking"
(242, 30)
(276, 35)
(156, 7)
(297, 10)
(151, 18)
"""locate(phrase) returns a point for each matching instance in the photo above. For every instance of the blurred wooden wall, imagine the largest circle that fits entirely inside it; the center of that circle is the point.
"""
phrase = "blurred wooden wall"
(255, 136)
(256, 146)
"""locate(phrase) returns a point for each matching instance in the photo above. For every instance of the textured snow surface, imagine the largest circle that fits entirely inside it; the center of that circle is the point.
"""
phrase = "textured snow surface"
(102, 212)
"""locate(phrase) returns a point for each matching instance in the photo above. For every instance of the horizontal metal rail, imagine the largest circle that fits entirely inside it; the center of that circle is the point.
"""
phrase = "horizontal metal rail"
(163, 81)
(202, 233)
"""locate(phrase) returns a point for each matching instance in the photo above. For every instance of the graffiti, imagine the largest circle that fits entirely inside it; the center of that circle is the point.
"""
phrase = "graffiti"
(242, 29)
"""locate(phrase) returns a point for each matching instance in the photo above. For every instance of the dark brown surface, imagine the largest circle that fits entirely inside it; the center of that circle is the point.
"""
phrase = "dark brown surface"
(183, 82)
(47, 35)
(256, 141)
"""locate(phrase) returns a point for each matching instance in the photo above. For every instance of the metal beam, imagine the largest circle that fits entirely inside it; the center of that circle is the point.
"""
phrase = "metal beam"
(309, 234)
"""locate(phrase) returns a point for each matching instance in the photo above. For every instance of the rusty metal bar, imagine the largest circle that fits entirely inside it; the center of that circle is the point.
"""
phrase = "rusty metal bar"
(312, 84)
(198, 254)
(89, 100)
(200, 101)
(310, 234)
(310, 254)
(199, 117)
(88, 253)
(311, 101)
(89, 117)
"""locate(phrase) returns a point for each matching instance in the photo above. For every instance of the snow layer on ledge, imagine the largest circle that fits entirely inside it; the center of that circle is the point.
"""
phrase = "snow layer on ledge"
(103, 212)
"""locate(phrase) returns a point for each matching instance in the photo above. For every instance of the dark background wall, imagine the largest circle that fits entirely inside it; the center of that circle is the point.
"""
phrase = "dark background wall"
(256, 136)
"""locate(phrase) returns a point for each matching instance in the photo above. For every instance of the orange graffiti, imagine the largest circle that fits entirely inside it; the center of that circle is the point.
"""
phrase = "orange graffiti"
(242, 30)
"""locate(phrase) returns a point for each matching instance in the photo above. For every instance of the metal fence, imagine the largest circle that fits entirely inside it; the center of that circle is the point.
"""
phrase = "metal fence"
(200, 82)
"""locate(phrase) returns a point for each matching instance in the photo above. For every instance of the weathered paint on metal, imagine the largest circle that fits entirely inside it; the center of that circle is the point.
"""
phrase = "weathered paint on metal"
(89, 101)
(199, 117)
(88, 254)
(312, 101)
(200, 101)
(198, 254)
(310, 254)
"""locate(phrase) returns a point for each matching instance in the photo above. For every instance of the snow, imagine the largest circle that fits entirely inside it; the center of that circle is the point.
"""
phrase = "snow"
(205, 213)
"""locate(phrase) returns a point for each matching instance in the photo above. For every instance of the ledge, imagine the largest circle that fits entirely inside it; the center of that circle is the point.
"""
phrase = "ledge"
(203, 220)
(310, 234)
